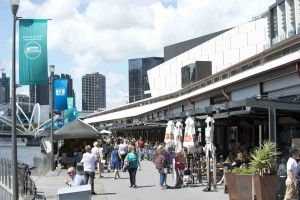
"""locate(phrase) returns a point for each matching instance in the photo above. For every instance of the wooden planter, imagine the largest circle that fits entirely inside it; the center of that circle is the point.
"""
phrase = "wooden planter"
(239, 186)
(266, 187)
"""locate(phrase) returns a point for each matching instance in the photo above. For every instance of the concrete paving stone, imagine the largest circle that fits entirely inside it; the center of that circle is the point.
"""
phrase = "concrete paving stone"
(147, 182)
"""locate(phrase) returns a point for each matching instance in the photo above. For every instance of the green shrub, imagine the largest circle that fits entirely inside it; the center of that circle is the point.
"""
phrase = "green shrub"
(244, 171)
(263, 160)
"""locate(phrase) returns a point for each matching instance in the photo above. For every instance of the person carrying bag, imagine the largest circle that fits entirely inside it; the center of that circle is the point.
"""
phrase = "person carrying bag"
(161, 166)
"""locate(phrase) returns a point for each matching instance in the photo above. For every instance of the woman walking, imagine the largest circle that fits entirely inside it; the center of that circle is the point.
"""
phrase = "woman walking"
(161, 166)
(115, 161)
(133, 159)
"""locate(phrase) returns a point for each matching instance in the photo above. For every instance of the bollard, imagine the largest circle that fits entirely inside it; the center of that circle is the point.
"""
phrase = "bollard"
(9, 175)
(5, 172)
(1, 175)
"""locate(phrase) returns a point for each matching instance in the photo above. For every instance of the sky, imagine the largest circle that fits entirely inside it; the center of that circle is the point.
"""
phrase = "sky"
(87, 36)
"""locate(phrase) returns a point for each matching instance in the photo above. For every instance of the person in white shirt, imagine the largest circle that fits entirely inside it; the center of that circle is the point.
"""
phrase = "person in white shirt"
(75, 179)
(123, 150)
(97, 154)
(291, 181)
(89, 163)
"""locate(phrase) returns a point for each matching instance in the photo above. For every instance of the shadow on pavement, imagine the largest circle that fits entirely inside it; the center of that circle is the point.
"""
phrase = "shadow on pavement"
(145, 186)
(107, 194)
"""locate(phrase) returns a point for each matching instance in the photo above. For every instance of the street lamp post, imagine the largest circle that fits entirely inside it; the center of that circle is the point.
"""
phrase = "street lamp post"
(14, 4)
(51, 69)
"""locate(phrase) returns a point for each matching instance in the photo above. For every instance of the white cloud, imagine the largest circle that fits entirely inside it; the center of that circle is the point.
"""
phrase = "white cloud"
(93, 32)
(114, 79)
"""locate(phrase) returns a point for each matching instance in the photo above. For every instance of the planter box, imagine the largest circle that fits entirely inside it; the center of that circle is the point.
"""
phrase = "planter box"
(239, 186)
(266, 187)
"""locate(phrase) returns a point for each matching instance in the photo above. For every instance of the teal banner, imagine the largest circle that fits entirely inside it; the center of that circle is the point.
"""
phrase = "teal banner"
(33, 52)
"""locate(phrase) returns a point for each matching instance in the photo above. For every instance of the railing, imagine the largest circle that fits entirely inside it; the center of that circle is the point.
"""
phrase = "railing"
(42, 165)
(26, 185)
(5, 179)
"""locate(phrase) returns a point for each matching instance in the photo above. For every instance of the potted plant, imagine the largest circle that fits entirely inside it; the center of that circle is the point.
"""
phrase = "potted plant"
(239, 184)
(261, 172)
(263, 167)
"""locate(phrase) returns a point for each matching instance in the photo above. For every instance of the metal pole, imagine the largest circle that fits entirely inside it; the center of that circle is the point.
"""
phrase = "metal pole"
(13, 131)
(51, 115)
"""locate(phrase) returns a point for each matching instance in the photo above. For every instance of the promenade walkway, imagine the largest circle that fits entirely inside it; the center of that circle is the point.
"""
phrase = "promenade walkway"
(147, 182)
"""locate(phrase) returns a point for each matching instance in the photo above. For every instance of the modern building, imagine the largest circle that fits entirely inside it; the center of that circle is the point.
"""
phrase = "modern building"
(2, 95)
(93, 92)
(39, 94)
(138, 79)
(23, 101)
(284, 20)
(5, 85)
(247, 81)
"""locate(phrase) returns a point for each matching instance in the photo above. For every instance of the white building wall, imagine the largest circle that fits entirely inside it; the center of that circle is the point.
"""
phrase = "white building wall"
(289, 9)
(281, 21)
(297, 15)
(224, 50)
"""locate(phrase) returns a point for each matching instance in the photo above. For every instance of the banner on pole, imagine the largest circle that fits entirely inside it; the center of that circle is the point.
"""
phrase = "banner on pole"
(70, 102)
(33, 52)
(60, 94)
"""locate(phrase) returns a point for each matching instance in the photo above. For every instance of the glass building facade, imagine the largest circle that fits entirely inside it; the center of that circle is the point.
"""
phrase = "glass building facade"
(138, 79)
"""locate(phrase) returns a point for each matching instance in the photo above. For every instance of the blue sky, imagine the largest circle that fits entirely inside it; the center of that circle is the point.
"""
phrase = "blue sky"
(86, 36)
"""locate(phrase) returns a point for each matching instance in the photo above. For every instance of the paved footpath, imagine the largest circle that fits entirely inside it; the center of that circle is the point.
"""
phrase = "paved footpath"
(147, 182)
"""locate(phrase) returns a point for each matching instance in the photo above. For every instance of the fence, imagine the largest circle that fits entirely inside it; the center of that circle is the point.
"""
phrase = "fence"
(42, 165)
(27, 188)
(5, 180)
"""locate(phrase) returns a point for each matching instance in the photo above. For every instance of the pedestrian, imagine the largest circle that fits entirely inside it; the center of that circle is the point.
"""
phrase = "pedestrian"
(115, 161)
(74, 178)
(291, 181)
(161, 166)
(97, 154)
(123, 150)
(133, 159)
(89, 165)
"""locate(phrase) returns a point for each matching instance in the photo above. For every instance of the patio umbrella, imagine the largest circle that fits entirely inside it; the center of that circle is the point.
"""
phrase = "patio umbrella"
(169, 135)
(105, 131)
(177, 139)
(189, 133)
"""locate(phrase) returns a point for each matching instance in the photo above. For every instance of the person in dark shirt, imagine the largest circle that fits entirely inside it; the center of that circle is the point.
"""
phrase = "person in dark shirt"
(161, 164)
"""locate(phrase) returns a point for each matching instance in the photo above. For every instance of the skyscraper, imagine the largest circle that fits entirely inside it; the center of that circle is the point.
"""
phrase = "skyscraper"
(138, 79)
(5, 85)
(93, 92)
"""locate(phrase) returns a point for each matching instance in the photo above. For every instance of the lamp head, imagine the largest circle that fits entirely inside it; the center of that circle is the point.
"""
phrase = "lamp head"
(51, 69)
(14, 4)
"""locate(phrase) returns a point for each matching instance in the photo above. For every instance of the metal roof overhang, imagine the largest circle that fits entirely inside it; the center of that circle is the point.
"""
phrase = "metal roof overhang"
(142, 109)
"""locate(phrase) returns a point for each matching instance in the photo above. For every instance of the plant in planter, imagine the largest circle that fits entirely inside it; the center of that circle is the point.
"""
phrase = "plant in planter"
(263, 166)
(261, 172)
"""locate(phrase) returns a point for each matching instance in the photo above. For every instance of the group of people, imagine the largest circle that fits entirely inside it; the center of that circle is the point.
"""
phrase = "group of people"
(118, 154)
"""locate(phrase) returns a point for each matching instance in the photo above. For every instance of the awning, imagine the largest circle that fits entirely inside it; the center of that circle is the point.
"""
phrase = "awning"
(75, 130)
(145, 108)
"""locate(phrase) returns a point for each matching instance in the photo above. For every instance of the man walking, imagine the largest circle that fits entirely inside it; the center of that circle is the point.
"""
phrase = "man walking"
(89, 164)
(291, 181)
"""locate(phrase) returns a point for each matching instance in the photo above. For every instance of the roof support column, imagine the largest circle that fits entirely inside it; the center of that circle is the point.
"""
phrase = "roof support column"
(272, 124)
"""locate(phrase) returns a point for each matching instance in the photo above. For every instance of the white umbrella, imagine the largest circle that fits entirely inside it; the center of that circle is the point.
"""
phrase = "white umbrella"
(169, 135)
(105, 131)
(189, 133)
(177, 137)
